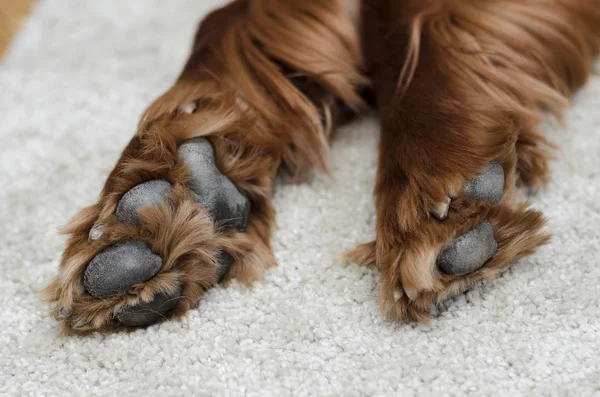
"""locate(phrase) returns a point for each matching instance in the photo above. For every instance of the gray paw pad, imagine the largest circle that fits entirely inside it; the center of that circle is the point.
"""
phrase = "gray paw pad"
(119, 267)
(470, 251)
(213, 190)
(488, 185)
(148, 313)
(148, 193)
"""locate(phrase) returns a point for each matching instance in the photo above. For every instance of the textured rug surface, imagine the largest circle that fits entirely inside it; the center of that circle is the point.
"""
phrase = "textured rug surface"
(71, 90)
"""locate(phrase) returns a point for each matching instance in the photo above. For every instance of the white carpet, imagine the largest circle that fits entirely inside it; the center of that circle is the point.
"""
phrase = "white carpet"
(71, 91)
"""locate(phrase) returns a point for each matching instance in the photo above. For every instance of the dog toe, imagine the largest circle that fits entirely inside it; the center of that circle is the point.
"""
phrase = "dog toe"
(488, 185)
(213, 190)
(144, 314)
(120, 266)
(470, 251)
(148, 193)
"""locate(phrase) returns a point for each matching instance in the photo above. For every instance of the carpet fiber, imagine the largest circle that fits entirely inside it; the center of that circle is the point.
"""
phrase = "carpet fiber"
(72, 87)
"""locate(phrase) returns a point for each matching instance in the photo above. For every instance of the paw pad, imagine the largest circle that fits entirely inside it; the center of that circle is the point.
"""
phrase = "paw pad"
(473, 249)
(470, 251)
(213, 190)
(145, 194)
(119, 267)
(488, 185)
(148, 313)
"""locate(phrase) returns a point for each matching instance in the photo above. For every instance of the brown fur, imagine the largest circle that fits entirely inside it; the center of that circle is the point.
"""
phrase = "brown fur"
(458, 83)
(474, 80)
(241, 77)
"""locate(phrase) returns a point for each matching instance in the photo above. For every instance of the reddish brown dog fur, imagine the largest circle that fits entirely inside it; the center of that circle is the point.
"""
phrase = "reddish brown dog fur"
(458, 83)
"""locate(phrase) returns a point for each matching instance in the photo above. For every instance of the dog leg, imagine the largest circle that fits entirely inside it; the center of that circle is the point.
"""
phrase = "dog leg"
(461, 87)
(189, 202)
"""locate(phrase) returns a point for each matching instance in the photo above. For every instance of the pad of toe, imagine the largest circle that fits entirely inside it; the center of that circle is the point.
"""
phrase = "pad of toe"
(148, 313)
(119, 267)
(488, 185)
(213, 190)
(148, 193)
(470, 251)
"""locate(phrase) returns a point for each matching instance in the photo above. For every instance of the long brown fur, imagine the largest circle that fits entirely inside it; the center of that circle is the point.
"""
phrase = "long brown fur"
(240, 77)
(458, 83)
(474, 78)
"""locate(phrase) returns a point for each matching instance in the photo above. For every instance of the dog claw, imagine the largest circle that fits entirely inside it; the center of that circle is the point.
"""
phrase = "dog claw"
(189, 108)
(119, 267)
(398, 294)
(470, 251)
(96, 233)
(62, 314)
(440, 210)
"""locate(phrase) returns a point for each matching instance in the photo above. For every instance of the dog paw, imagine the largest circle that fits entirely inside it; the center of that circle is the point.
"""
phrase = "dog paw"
(139, 270)
(474, 235)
